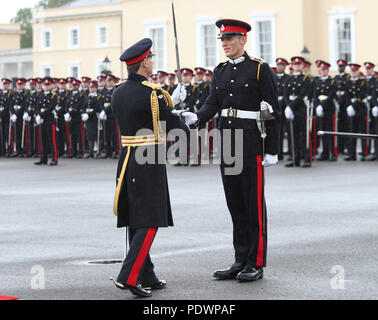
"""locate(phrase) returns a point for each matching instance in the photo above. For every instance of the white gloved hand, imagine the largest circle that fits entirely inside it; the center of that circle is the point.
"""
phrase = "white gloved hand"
(103, 115)
(84, 117)
(289, 113)
(269, 160)
(174, 111)
(67, 117)
(26, 116)
(13, 118)
(190, 118)
(179, 94)
(350, 111)
(374, 111)
(38, 120)
(319, 111)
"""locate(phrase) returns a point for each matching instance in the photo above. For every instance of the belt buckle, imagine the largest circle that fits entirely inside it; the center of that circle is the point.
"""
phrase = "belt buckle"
(232, 112)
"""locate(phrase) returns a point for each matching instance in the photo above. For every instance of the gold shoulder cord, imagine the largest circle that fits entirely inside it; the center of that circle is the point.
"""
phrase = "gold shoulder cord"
(260, 61)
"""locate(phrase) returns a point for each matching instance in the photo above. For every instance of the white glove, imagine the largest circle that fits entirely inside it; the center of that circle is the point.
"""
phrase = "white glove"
(374, 111)
(67, 117)
(84, 117)
(38, 120)
(26, 117)
(289, 113)
(190, 118)
(350, 111)
(319, 111)
(103, 115)
(269, 160)
(13, 118)
(174, 111)
(179, 94)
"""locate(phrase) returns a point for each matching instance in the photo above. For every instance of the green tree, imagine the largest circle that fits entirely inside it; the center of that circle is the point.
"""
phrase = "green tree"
(24, 17)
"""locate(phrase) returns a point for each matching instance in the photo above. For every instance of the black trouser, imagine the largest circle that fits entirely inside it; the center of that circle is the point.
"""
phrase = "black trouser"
(4, 132)
(110, 136)
(76, 138)
(48, 133)
(357, 124)
(138, 267)
(17, 134)
(326, 124)
(29, 138)
(343, 126)
(299, 126)
(245, 200)
(61, 135)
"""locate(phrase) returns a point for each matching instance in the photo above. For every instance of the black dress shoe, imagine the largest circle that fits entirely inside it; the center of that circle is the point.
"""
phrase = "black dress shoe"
(158, 285)
(229, 273)
(371, 158)
(136, 291)
(350, 159)
(332, 158)
(306, 164)
(40, 162)
(53, 163)
(250, 274)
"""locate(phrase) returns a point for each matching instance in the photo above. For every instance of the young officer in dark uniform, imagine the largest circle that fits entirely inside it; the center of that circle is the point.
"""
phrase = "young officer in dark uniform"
(356, 90)
(324, 94)
(89, 116)
(142, 197)
(240, 88)
(298, 87)
(5, 102)
(281, 82)
(74, 106)
(171, 83)
(44, 116)
(60, 109)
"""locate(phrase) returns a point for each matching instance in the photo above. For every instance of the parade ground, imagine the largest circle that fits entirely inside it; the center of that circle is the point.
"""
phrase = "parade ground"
(55, 221)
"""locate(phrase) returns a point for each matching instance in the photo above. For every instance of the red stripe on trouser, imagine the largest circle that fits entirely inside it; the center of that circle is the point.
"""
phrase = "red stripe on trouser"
(8, 298)
(39, 139)
(367, 141)
(68, 139)
(26, 139)
(134, 274)
(334, 138)
(260, 199)
(54, 142)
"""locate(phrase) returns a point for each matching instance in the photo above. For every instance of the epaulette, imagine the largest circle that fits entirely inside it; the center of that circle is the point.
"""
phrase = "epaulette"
(194, 88)
(332, 82)
(151, 85)
(348, 76)
(362, 83)
(261, 61)
(99, 97)
(119, 83)
(222, 64)
(53, 94)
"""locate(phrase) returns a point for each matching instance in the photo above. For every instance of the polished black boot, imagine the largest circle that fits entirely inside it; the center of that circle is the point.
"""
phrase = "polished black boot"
(229, 273)
(136, 291)
(40, 162)
(158, 285)
(53, 163)
(250, 274)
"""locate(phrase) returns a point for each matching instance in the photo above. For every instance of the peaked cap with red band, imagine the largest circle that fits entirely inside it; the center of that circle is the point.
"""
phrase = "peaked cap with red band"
(318, 63)
(171, 76)
(297, 60)
(369, 65)
(232, 27)
(282, 61)
(48, 80)
(21, 81)
(32, 80)
(5, 81)
(324, 65)
(342, 62)
(137, 52)
(209, 73)
(354, 66)
(162, 74)
(62, 81)
(186, 71)
(86, 79)
(199, 70)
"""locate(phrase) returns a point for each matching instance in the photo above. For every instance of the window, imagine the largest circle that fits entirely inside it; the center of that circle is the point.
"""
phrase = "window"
(46, 70)
(102, 35)
(74, 69)
(207, 43)
(264, 39)
(73, 38)
(46, 40)
(156, 31)
(341, 36)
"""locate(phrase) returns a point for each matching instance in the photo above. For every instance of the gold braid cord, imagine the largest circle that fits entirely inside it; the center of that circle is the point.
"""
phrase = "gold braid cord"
(155, 108)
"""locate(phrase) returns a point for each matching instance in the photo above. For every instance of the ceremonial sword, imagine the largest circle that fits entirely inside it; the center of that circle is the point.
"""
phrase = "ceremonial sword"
(348, 134)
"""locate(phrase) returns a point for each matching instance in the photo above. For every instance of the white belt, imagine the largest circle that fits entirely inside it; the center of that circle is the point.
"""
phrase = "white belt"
(241, 114)
(280, 98)
(322, 97)
(292, 97)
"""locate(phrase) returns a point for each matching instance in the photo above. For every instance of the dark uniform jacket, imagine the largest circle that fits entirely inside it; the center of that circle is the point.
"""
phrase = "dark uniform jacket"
(75, 104)
(341, 80)
(60, 108)
(45, 107)
(325, 87)
(93, 106)
(373, 89)
(18, 104)
(243, 86)
(356, 91)
(298, 87)
(144, 197)
(31, 102)
(5, 102)
(190, 99)
(106, 99)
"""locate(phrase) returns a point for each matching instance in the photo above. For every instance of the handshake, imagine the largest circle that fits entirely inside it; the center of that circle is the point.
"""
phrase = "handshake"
(189, 117)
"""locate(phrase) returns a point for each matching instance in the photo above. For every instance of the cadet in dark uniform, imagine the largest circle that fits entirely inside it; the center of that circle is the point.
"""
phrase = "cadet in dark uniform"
(241, 88)
(171, 83)
(356, 90)
(5, 102)
(324, 94)
(371, 101)
(60, 109)
(162, 78)
(281, 82)
(45, 117)
(142, 198)
(17, 109)
(93, 107)
(75, 104)
(341, 80)
(298, 87)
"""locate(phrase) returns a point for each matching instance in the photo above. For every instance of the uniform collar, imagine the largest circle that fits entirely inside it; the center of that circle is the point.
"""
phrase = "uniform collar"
(297, 73)
(237, 60)
(93, 94)
(354, 79)
(324, 78)
(280, 74)
(137, 77)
